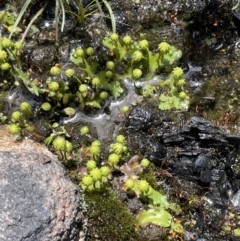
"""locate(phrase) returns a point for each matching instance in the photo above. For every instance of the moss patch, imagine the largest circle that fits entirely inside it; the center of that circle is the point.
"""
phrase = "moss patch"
(109, 219)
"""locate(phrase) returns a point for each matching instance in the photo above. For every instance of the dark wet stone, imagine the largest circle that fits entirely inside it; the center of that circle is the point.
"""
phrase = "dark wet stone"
(190, 153)
(157, 157)
(199, 124)
(233, 139)
(231, 159)
(184, 168)
(172, 138)
(212, 140)
(236, 200)
(140, 119)
(205, 176)
(202, 166)
(43, 56)
(152, 149)
(203, 162)
(38, 201)
(64, 52)
(208, 134)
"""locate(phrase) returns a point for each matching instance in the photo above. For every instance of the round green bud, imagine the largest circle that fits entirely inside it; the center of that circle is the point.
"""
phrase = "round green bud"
(68, 146)
(79, 52)
(55, 125)
(96, 174)
(105, 171)
(55, 70)
(18, 45)
(59, 143)
(95, 151)
(96, 81)
(53, 86)
(87, 181)
(127, 40)
(129, 183)
(137, 73)
(90, 51)
(6, 43)
(137, 56)
(16, 116)
(96, 143)
(113, 159)
(114, 37)
(25, 107)
(120, 139)
(14, 129)
(3, 55)
(84, 130)
(103, 95)
(110, 65)
(125, 109)
(117, 148)
(83, 88)
(182, 95)
(181, 82)
(143, 44)
(69, 111)
(5, 66)
(91, 164)
(145, 162)
(70, 72)
(109, 74)
(143, 185)
(163, 47)
(177, 72)
(46, 106)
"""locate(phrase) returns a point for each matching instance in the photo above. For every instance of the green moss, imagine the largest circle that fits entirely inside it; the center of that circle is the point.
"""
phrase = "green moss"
(109, 219)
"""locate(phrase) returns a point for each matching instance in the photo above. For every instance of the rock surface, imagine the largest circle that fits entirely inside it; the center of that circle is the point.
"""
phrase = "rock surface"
(38, 202)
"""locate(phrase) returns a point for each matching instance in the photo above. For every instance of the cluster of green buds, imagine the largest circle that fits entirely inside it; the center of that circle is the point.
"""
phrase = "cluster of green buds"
(139, 62)
(118, 150)
(58, 139)
(95, 149)
(173, 95)
(8, 52)
(119, 147)
(58, 93)
(140, 187)
(20, 119)
(96, 178)
(100, 81)
(142, 60)
(8, 20)
(62, 145)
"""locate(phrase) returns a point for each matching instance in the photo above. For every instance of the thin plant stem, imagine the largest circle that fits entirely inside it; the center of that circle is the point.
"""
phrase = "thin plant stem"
(63, 15)
(56, 18)
(236, 5)
(33, 19)
(113, 21)
(19, 17)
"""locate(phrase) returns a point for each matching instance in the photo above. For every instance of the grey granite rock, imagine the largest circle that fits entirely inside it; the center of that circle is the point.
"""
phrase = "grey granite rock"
(38, 202)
